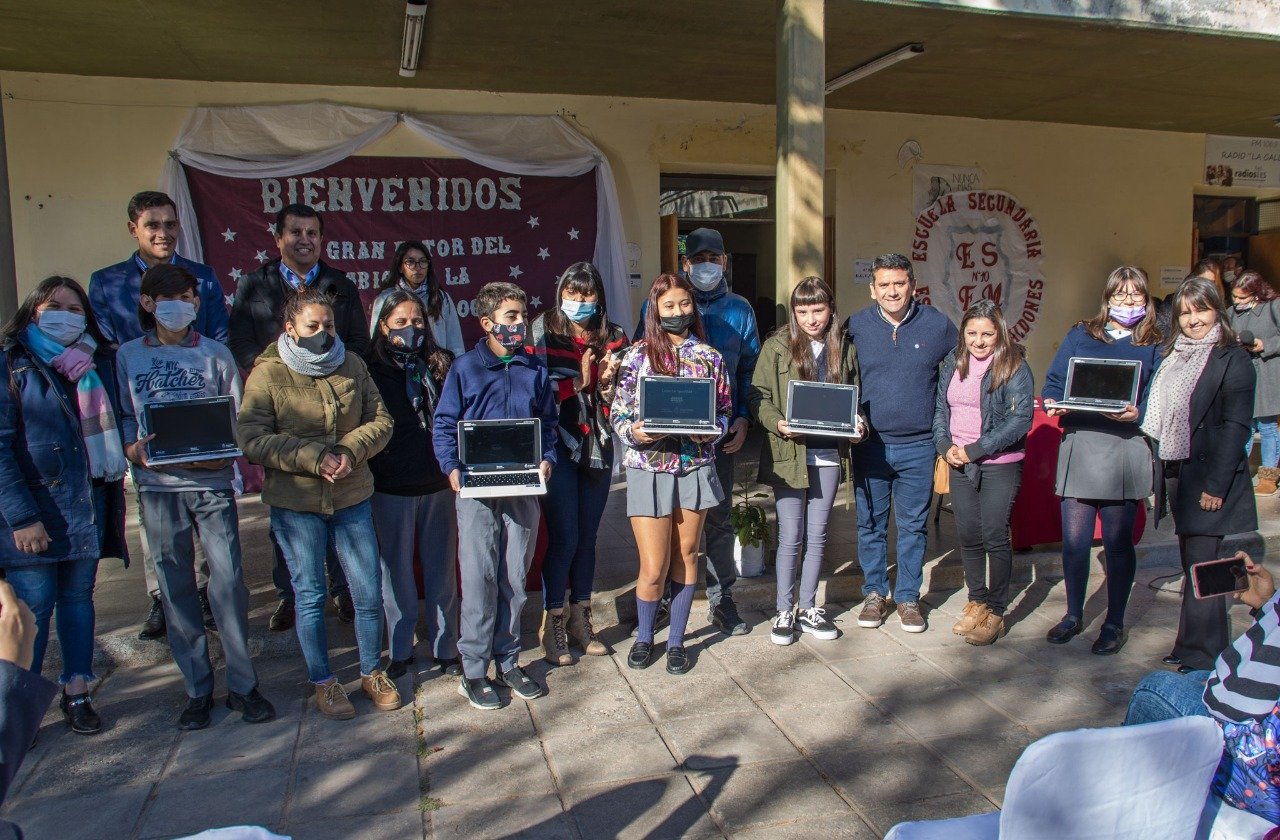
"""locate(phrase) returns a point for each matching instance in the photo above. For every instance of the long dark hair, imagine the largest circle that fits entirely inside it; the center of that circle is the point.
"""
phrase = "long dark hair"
(812, 291)
(41, 295)
(582, 278)
(1007, 355)
(661, 353)
(1199, 293)
(437, 358)
(435, 297)
(1145, 331)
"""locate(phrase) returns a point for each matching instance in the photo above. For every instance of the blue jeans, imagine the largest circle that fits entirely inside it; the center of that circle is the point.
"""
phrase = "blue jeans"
(901, 474)
(1165, 695)
(575, 500)
(68, 586)
(304, 539)
(1265, 426)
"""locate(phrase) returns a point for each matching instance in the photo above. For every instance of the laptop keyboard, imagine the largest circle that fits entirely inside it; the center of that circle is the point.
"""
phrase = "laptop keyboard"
(501, 479)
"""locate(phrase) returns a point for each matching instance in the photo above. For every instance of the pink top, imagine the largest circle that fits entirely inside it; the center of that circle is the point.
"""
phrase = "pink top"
(965, 400)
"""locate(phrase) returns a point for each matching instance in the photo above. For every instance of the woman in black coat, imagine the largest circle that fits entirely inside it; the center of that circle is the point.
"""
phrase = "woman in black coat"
(1200, 411)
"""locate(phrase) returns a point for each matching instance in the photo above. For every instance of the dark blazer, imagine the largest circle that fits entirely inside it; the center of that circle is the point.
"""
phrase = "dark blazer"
(1221, 422)
(113, 295)
(1006, 412)
(24, 698)
(258, 306)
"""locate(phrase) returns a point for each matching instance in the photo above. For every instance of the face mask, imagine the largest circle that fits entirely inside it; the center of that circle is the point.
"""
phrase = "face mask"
(406, 339)
(578, 310)
(319, 343)
(62, 326)
(1228, 277)
(676, 324)
(706, 276)
(1127, 316)
(510, 336)
(175, 315)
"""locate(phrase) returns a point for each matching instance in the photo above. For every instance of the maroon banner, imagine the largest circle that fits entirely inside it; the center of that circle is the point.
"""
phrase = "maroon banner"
(479, 225)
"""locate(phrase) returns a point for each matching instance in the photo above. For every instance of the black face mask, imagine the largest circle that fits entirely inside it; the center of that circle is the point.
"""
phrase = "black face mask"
(406, 340)
(510, 336)
(677, 324)
(319, 344)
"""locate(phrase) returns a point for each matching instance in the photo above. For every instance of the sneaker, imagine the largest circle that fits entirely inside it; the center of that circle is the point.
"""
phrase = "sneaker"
(197, 713)
(479, 694)
(661, 619)
(990, 628)
(253, 707)
(520, 683)
(814, 621)
(970, 617)
(282, 619)
(381, 690)
(910, 618)
(346, 608)
(724, 616)
(874, 610)
(78, 711)
(206, 612)
(450, 667)
(784, 628)
(399, 667)
(332, 701)
(153, 627)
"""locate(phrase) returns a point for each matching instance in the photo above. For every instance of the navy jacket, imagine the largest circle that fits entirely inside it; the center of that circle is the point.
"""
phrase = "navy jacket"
(113, 295)
(1079, 343)
(480, 386)
(44, 471)
(1006, 412)
(24, 698)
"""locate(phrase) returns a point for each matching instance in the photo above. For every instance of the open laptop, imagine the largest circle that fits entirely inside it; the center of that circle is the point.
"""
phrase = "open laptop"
(1102, 385)
(185, 431)
(677, 405)
(500, 458)
(822, 408)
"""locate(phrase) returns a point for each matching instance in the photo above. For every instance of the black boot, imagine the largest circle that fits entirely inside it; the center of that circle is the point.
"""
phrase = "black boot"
(78, 711)
(153, 627)
(206, 612)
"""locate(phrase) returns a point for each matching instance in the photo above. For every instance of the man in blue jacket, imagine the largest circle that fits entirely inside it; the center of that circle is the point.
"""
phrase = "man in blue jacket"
(900, 344)
(730, 323)
(113, 296)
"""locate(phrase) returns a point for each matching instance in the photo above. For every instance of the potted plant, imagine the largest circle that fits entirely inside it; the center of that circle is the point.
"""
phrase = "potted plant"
(751, 533)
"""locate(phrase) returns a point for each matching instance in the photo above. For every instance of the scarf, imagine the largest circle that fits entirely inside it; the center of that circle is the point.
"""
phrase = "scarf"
(303, 361)
(1168, 418)
(419, 386)
(97, 420)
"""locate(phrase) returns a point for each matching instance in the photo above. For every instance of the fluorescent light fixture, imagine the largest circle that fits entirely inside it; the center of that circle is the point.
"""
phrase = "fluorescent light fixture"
(415, 20)
(874, 66)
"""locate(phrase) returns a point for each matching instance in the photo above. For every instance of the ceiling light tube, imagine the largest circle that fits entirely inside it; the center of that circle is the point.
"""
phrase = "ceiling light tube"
(874, 66)
(415, 13)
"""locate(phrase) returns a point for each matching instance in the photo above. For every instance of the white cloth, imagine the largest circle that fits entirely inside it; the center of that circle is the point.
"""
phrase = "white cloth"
(828, 456)
(274, 141)
(1168, 417)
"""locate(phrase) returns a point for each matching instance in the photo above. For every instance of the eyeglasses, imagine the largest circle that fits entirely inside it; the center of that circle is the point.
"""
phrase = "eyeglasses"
(416, 263)
(1121, 297)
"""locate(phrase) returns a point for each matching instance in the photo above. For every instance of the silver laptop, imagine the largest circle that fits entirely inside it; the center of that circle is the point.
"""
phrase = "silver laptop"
(500, 458)
(677, 405)
(185, 431)
(1102, 385)
(822, 408)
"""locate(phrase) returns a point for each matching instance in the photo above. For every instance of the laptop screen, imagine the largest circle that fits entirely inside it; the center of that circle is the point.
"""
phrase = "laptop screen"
(498, 444)
(816, 404)
(679, 400)
(195, 427)
(1102, 381)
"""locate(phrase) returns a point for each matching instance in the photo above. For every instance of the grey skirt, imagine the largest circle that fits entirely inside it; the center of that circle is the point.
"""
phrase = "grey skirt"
(660, 493)
(1104, 465)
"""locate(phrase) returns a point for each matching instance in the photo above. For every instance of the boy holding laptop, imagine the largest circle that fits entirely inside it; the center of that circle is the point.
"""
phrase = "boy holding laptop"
(172, 362)
(496, 380)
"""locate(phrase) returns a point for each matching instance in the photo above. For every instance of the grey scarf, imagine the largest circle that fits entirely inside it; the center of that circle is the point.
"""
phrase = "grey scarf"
(1168, 418)
(303, 361)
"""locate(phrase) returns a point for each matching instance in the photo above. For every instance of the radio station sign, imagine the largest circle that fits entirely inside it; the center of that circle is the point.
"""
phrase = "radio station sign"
(1241, 161)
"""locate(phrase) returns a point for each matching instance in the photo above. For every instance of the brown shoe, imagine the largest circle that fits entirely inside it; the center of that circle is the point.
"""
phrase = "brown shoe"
(1268, 477)
(874, 611)
(974, 612)
(332, 700)
(910, 618)
(379, 688)
(555, 639)
(987, 631)
(582, 632)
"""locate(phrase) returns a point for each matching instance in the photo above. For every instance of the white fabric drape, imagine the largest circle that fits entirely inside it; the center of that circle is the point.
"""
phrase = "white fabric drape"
(274, 141)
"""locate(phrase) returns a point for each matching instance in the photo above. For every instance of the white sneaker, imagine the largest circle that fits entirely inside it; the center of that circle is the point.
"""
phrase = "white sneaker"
(814, 621)
(784, 628)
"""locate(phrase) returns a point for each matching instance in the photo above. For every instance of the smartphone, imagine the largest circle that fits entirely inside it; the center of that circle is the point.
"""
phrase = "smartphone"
(1219, 577)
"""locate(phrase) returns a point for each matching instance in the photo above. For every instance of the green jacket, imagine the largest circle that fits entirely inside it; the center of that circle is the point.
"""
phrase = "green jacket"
(783, 461)
(289, 422)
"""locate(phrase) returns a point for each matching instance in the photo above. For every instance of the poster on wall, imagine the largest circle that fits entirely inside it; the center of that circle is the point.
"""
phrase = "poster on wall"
(1241, 161)
(478, 224)
(980, 245)
(929, 183)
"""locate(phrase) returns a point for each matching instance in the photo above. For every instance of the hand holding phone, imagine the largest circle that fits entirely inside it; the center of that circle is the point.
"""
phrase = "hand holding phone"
(1226, 576)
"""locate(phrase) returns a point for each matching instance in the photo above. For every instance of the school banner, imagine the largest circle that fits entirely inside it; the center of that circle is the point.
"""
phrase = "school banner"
(478, 224)
(980, 245)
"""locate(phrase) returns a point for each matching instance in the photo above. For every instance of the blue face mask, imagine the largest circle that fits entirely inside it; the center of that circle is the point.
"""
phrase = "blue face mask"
(579, 310)
(706, 276)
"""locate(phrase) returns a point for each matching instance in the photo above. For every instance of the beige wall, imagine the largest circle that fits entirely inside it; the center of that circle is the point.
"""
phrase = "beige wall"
(79, 147)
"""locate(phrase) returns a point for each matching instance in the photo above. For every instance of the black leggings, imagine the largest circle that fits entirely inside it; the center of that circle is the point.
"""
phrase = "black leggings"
(1078, 517)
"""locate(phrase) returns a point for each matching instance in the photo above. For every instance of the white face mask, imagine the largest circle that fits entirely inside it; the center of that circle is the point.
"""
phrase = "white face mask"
(62, 326)
(706, 276)
(175, 315)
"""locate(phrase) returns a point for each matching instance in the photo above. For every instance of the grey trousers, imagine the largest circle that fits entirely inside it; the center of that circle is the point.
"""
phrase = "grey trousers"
(149, 563)
(429, 525)
(172, 521)
(804, 514)
(718, 534)
(496, 540)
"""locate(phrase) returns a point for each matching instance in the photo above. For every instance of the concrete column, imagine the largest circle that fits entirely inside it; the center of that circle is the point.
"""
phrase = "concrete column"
(8, 268)
(801, 142)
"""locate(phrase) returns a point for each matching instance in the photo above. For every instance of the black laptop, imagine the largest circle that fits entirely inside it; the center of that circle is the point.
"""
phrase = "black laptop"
(677, 405)
(202, 429)
(822, 408)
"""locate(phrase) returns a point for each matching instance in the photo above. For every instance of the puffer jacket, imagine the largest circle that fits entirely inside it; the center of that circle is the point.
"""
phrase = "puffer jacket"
(289, 422)
(1006, 412)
